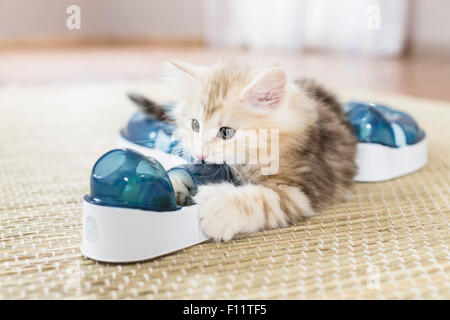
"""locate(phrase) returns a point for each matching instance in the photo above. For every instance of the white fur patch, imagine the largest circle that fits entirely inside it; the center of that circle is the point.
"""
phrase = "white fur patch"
(225, 210)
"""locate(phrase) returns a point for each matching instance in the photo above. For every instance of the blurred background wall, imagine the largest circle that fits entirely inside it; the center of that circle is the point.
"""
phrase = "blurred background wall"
(416, 26)
(45, 20)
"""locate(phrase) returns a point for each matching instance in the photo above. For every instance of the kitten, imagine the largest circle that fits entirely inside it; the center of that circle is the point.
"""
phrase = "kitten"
(314, 141)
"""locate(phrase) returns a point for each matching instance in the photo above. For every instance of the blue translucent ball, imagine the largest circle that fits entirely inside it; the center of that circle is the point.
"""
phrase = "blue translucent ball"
(126, 178)
(375, 123)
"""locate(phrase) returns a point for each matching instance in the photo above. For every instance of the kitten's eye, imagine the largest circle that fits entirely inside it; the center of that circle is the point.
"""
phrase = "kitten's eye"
(195, 125)
(226, 133)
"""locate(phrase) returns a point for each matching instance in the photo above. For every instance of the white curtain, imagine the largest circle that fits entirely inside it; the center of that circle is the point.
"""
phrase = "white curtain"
(358, 26)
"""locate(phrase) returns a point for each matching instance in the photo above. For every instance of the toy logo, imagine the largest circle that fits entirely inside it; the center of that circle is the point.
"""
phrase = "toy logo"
(91, 233)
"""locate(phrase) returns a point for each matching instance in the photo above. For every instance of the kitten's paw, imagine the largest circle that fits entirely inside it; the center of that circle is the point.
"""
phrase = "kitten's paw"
(221, 216)
(182, 191)
(217, 221)
(182, 199)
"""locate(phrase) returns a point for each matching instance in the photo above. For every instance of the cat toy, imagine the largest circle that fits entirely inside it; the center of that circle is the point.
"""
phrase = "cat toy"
(391, 144)
(131, 213)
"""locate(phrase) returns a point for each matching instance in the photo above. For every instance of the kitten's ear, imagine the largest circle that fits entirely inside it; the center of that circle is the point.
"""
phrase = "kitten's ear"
(266, 90)
(192, 71)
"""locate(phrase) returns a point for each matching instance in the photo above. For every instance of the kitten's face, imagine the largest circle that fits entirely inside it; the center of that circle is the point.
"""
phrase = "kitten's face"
(216, 137)
(228, 114)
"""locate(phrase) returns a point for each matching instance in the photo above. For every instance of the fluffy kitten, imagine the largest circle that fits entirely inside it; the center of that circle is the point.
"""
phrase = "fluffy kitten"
(315, 144)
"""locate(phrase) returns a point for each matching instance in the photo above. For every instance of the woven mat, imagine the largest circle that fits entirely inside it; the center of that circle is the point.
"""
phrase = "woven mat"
(391, 240)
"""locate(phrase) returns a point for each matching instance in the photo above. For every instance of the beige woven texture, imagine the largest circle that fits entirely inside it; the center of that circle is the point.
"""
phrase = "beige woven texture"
(391, 240)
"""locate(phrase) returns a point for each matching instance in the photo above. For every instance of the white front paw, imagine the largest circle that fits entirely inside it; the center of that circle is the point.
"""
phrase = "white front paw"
(216, 222)
(220, 219)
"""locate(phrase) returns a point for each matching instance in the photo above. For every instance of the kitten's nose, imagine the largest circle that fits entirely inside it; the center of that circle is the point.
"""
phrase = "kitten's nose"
(201, 156)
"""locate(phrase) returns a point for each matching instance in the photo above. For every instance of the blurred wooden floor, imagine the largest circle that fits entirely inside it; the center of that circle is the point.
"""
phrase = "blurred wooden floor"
(416, 76)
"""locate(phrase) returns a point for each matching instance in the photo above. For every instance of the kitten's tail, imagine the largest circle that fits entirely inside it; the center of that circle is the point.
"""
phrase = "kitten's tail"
(150, 107)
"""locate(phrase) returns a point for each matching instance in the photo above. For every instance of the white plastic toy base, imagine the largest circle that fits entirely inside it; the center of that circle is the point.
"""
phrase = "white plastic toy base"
(378, 163)
(113, 234)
